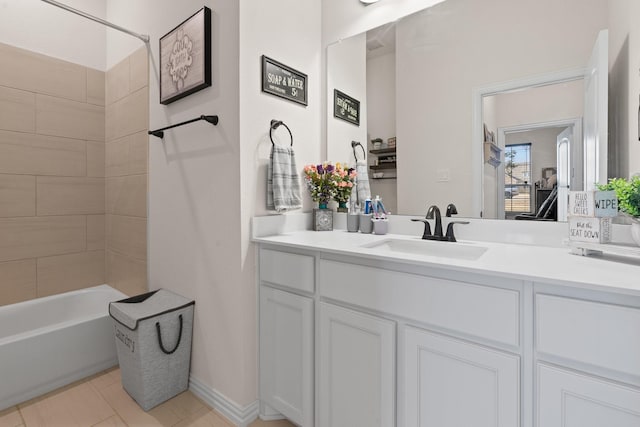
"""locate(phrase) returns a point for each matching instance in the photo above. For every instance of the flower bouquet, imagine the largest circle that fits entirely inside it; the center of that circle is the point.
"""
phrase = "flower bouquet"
(327, 182)
(320, 183)
(344, 179)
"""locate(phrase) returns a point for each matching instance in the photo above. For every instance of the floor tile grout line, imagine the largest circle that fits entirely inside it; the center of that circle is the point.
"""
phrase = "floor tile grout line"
(108, 403)
(24, 423)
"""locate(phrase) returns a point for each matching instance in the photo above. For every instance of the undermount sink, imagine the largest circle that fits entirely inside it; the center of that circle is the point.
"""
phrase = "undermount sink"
(454, 250)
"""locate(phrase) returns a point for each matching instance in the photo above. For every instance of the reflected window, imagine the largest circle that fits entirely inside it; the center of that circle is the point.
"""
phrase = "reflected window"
(517, 179)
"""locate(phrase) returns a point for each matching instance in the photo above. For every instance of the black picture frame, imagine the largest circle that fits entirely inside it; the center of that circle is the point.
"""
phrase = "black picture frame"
(283, 81)
(346, 108)
(185, 57)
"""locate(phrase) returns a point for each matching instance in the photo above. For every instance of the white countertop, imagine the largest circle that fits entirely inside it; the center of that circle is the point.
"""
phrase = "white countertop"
(542, 264)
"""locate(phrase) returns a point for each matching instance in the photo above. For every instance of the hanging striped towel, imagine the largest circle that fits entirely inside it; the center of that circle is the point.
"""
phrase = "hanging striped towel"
(362, 182)
(283, 180)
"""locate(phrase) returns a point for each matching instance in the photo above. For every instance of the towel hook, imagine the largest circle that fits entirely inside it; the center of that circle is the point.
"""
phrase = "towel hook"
(354, 144)
(274, 125)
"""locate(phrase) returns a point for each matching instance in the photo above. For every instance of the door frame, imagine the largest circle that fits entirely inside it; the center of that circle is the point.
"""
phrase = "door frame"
(477, 121)
(575, 123)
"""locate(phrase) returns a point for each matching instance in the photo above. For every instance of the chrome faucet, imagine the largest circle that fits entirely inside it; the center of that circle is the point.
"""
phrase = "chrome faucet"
(434, 212)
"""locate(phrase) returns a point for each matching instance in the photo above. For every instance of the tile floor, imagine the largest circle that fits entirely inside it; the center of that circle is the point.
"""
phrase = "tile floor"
(102, 402)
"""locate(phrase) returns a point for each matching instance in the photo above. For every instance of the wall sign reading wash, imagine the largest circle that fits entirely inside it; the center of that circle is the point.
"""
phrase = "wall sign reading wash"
(346, 107)
(283, 81)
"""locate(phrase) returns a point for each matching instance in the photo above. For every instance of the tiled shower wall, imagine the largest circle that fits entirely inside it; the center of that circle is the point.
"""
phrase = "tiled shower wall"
(127, 118)
(63, 226)
(52, 185)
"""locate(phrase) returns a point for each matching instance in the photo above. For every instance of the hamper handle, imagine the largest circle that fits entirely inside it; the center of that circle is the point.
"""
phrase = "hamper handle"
(164, 350)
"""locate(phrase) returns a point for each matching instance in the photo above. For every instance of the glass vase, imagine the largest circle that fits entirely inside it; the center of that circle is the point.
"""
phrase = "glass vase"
(342, 207)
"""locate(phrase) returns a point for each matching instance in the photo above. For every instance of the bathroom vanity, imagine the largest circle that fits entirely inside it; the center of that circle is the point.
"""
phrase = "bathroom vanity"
(366, 330)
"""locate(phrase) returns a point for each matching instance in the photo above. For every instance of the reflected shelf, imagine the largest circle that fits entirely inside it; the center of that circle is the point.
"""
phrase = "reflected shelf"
(390, 165)
(383, 151)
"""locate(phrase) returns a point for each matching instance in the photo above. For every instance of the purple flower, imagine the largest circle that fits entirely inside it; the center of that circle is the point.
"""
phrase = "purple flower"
(330, 168)
(320, 169)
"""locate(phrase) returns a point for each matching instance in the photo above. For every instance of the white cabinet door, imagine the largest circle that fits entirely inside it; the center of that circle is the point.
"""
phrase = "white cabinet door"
(446, 382)
(286, 354)
(356, 373)
(569, 399)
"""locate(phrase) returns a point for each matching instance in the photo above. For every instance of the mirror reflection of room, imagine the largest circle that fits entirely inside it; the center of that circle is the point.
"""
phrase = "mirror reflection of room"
(538, 134)
(422, 88)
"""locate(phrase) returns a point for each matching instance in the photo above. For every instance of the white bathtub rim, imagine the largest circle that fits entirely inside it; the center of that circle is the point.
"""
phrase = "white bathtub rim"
(63, 367)
(64, 324)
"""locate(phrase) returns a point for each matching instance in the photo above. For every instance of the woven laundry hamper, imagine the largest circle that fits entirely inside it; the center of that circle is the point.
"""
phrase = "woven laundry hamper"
(153, 340)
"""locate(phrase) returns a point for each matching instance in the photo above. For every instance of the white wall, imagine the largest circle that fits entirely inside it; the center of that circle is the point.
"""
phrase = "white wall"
(49, 30)
(289, 32)
(539, 105)
(132, 16)
(624, 87)
(294, 42)
(205, 182)
(460, 45)
(347, 70)
(381, 119)
(342, 19)
(194, 196)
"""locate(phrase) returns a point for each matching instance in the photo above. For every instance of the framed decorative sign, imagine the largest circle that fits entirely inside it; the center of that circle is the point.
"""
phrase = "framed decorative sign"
(283, 81)
(185, 58)
(346, 108)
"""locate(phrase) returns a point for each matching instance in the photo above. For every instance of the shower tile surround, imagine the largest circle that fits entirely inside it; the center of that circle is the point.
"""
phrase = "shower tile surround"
(126, 154)
(73, 175)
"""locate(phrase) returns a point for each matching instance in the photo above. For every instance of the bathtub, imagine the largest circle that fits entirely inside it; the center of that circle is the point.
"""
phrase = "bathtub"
(49, 342)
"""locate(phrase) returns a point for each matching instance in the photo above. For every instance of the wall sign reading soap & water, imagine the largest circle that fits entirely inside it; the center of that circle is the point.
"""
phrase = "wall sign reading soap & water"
(283, 81)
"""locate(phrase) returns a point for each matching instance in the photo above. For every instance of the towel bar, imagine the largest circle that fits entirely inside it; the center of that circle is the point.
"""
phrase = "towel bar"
(160, 132)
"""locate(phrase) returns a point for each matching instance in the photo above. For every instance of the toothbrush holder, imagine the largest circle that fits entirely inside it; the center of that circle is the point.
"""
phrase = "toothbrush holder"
(380, 226)
(353, 222)
(366, 225)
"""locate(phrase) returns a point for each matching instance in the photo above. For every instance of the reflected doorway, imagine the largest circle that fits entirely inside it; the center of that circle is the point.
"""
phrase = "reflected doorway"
(538, 169)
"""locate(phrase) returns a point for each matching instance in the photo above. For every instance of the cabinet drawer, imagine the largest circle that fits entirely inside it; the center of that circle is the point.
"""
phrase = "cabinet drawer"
(482, 311)
(286, 269)
(598, 334)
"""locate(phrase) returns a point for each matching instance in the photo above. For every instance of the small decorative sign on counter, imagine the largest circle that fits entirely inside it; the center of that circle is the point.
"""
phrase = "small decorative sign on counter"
(599, 204)
(594, 230)
(283, 81)
(346, 107)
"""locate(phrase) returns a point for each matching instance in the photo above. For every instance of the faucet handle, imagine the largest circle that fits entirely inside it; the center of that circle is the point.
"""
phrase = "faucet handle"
(451, 210)
(427, 227)
(450, 237)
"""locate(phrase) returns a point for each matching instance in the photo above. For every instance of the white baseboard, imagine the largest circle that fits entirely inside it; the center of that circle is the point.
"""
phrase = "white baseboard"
(267, 413)
(238, 415)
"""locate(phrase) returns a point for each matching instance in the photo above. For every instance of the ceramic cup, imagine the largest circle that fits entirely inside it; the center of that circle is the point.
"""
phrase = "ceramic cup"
(353, 222)
(366, 226)
(380, 226)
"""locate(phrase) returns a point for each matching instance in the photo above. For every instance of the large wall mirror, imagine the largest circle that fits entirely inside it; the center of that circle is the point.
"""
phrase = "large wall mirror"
(487, 101)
